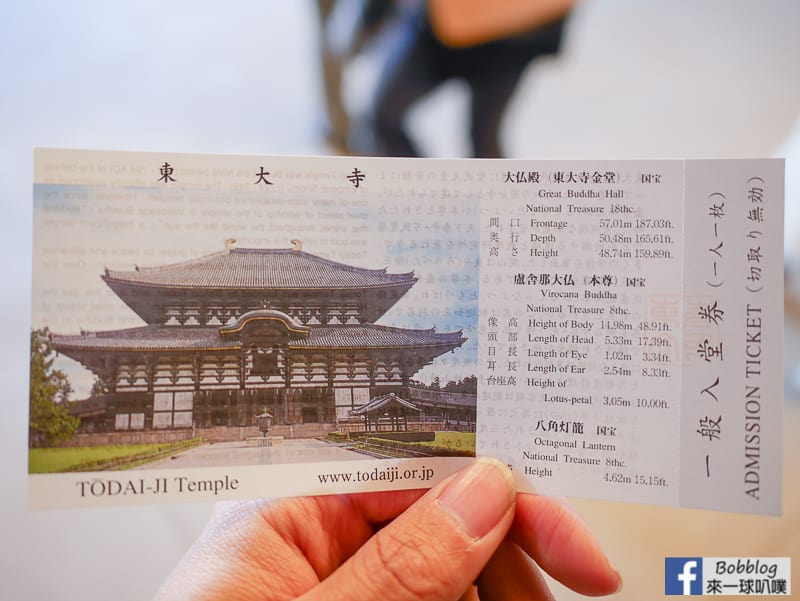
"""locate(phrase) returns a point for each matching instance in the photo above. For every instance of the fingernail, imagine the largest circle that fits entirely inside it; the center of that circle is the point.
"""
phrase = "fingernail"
(479, 496)
(619, 579)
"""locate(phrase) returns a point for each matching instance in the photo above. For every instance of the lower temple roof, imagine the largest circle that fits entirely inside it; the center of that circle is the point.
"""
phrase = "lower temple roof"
(381, 402)
(154, 338)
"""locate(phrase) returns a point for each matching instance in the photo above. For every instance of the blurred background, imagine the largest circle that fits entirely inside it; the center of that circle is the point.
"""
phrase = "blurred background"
(632, 79)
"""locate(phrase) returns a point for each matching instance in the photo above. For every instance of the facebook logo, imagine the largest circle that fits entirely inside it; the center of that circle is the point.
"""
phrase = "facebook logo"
(683, 575)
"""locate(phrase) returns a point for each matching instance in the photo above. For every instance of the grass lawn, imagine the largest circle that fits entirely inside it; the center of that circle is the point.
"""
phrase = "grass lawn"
(68, 459)
(453, 440)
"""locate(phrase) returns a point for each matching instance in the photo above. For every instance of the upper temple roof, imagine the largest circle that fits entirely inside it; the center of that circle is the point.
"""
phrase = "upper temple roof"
(259, 268)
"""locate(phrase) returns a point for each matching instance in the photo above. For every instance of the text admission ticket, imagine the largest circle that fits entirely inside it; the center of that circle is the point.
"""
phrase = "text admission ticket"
(250, 326)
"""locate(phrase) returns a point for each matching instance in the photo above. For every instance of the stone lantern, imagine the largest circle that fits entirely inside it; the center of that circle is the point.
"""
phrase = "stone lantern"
(264, 421)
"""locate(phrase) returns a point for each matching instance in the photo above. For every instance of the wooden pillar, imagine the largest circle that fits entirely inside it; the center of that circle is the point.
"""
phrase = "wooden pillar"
(111, 374)
(287, 369)
(197, 371)
(405, 371)
(242, 369)
(329, 409)
(150, 372)
(372, 360)
(281, 406)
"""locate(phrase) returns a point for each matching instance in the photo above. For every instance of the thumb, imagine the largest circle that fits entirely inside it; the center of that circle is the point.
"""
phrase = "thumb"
(437, 547)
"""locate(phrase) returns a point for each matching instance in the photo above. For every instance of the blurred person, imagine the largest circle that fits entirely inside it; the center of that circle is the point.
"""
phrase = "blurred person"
(471, 536)
(332, 65)
(486, 43)
(346, 26)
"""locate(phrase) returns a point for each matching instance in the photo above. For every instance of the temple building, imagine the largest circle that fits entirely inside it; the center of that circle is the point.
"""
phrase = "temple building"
(242, 330)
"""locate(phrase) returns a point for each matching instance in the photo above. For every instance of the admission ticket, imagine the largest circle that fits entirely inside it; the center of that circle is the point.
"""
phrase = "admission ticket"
(210, 327)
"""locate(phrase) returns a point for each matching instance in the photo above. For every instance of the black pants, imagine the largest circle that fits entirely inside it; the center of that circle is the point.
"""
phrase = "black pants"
(492, 72)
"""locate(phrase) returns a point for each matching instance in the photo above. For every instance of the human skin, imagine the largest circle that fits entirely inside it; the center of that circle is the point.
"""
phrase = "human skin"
(471, 536)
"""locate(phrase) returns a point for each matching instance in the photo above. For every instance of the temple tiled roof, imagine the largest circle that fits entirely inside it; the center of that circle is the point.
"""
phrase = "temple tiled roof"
(423, 396)
(259, 268)
(146, 338)
(171, 338)
(374, 336)
(379, 402)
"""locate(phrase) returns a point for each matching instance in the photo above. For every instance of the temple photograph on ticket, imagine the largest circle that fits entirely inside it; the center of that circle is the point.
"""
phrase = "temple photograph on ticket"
(227, 314)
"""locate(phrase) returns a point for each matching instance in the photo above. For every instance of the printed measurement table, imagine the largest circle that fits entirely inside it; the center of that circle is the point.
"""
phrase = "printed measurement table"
(626, 333)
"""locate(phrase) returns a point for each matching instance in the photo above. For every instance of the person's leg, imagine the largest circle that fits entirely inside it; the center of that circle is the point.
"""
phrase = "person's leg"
(498, 68)
(490, 92)
(408, 76)
(332, 67)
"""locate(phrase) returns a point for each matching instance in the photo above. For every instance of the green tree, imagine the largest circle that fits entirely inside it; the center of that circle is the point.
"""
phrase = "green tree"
(98, 388)
(50, 422)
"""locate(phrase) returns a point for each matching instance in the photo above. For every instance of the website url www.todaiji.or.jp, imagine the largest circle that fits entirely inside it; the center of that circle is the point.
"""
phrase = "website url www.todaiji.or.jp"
(387, 474)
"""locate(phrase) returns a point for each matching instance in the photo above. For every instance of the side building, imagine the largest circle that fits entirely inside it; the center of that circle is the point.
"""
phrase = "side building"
(242, 330)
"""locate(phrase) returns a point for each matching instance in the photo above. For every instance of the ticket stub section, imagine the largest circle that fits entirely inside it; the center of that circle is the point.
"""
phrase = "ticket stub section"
(605, 305)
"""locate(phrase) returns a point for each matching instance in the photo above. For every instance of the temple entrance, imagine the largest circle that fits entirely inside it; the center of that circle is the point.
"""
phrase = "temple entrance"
(237, 408)
(315, 405)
